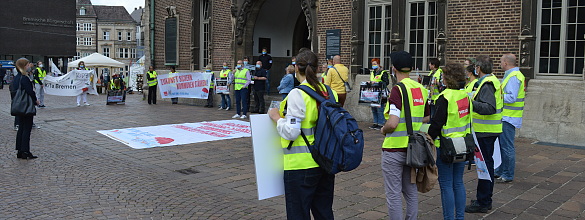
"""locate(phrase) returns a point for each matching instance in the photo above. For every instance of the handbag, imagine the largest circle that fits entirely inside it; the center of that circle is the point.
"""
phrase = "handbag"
(419, 150)
(458, 149)
(346, 84)
(22, 104)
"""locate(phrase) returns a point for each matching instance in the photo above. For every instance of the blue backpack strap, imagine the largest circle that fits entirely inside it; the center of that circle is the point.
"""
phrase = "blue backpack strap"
(316, 95)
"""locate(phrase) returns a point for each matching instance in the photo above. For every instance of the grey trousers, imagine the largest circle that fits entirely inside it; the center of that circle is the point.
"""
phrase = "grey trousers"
(40, 93)
(396, 182)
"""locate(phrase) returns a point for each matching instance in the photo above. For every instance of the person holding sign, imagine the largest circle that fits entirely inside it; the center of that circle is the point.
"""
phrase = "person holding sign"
(226, 74)
(308, 188)
(377, 77)
(174, 101)
(83, 95)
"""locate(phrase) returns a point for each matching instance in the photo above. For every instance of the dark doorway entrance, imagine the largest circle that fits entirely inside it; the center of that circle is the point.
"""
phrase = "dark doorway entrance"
(301, 34)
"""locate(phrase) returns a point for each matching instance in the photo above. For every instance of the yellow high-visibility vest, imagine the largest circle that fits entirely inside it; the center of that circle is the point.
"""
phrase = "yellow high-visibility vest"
(489, 123)
(515, 109)
(240, 78)
(458, 114)
(153, 76)
(417, 97)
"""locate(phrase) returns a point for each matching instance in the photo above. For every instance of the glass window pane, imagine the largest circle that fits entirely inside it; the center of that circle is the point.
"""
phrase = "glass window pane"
(557, 3)
(413, 9)
(419, 64)
(378, 37)
(546, 3)
(372, 12)
(544, 49)
(421, 8)
(572, 15)
(571, 49)
(378, 25)
(412, 36)
(571, 31)
(431, 37)
(377, 53)
(372, 24)
(554, 49)
(388, 11)
(572, 2)
(372, 38)
(579, 65)
(371, 50)
(412, 48)
(379, 12)
(545, 32)
(581, 14)
(556, 32)
(543, 65)
(431, 22)
(413, 22)
(431, 50)
(554, 65)
(569, 64)
(420, 34)
(556, 16)
(545, 16)
(419, 50)
(581, 32)
(432, 8)
(580, 49)
(421, 23)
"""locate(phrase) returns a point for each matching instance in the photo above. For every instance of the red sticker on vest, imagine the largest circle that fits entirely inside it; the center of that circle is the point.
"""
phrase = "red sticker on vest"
(463, 107)
(417, 97)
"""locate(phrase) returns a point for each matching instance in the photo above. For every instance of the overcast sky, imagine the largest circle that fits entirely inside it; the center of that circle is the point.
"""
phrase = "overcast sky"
(128, 4)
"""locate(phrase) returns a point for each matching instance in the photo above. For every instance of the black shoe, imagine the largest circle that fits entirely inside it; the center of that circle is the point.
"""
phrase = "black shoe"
(20, 155)
(476, 208)
(374, 127)
(28, 155)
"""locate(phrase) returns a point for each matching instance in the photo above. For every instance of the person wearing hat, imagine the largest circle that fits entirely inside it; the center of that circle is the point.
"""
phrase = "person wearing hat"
(396, 174)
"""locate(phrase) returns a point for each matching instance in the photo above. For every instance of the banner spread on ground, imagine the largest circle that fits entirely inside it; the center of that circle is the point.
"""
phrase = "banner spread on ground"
(71, 84)
(184, 85)
(177, 134)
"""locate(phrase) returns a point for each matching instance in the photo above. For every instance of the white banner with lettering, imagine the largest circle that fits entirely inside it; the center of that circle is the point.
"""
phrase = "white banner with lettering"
(73, 83)
(178, 134)
(184, 85)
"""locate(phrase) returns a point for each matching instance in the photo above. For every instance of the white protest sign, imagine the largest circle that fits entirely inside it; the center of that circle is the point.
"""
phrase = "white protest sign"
(184, 85)
(73, 83)
(268, 157)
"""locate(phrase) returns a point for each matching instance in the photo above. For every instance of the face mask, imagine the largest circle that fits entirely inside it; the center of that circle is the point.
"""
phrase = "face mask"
(41, 66)
(207, 70)
(29, 69)
(82, 66)
(245, 63)
(257, 66)
(225, 67)
(475, 72)
(329, 66)
(264, 52)
(294, 63)
(374, 66)
(239, 66)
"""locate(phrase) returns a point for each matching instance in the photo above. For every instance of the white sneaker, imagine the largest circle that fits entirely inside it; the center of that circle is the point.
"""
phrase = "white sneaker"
(227, 109)
(236, 116)
(244, 117)
(220, 108)
(86, 104)
(78, 105)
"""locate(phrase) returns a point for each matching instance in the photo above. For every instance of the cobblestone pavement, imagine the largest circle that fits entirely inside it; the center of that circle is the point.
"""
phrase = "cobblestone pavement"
(81, 174)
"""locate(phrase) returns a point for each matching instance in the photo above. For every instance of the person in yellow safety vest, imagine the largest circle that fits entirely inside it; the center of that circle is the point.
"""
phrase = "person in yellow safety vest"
(307, 187)
(173, 71)
(452, 119)
(471, 80)
(377, 77)
(436, 75)
(514, 91)
(39, 75)
(226, 74)
(397, 181)
(211, 84)
(242, 80)
(487, 124)
(152, 81)
(83, 95)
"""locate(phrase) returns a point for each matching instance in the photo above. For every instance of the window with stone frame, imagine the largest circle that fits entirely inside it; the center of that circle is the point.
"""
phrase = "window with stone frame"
(205, 33)
(106, 35)
(106, 51)
(560, 38)
(421, 31)
(378, 32)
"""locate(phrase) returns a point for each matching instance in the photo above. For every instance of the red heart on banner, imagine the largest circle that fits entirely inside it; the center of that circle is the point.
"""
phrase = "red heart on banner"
(163, 140)
(205, 90)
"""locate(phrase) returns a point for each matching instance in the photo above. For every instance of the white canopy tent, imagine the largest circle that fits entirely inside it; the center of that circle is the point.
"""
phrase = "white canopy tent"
(96, 60)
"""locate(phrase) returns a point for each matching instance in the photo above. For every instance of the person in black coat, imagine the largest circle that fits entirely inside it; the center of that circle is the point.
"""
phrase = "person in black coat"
(22, 80)
(2, 75)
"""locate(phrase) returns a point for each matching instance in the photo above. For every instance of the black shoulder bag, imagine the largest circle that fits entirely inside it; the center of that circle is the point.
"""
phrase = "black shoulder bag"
(22, 104)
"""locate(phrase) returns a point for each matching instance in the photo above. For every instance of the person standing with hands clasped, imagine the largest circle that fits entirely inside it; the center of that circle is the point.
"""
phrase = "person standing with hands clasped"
(487, 124)
(22, 81)
(308, 188)
(83, 95)
(259, 88)
(394, 170)
(452, 119)
(152, 85)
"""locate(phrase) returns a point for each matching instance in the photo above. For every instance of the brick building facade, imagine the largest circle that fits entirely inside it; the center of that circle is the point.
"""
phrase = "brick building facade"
(548, 36)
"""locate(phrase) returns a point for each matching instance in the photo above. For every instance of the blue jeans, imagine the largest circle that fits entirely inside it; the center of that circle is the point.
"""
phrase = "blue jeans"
(226, 101)
(508, 152)
(267, 82)
(452, 188)
(378, 113)
(242, 101)
(309, 190)
(485, 188)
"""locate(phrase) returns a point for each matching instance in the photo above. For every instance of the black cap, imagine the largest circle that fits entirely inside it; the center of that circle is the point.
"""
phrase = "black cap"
(402, 61)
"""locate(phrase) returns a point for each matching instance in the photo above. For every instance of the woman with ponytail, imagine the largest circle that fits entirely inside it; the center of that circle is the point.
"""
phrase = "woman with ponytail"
(308, 188)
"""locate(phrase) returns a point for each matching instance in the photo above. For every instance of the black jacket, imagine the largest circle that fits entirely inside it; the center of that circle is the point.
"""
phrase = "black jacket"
(25, 83)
